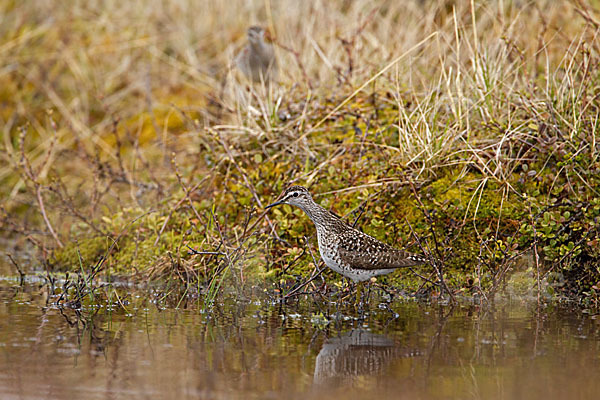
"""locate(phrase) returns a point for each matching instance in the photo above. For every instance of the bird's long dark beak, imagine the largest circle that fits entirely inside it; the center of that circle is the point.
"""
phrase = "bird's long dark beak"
(274, 204)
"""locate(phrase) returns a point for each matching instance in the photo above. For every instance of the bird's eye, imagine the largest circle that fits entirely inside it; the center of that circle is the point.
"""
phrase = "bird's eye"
(295, 194)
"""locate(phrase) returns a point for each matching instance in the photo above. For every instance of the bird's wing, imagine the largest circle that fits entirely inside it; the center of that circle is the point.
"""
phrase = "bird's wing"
(362, 251)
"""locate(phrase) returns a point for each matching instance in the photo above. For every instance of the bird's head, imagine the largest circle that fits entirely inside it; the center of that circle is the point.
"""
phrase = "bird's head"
(256, 35)
(297, 196)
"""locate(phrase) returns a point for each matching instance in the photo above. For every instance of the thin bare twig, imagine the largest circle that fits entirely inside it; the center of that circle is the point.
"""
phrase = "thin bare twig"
(297, 289)
(33, 178)
(436, 262)
(19, 270)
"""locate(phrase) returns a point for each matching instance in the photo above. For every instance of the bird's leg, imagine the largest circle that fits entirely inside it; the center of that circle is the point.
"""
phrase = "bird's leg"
(358, 294)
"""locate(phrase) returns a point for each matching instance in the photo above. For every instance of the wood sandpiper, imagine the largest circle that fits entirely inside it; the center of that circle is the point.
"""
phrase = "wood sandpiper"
(344, 249)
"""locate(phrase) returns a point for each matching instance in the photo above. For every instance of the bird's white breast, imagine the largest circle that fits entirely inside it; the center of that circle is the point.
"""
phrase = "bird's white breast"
(328, 249)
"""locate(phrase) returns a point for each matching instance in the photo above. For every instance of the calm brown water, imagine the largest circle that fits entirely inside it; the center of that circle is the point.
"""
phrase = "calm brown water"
(257, 350)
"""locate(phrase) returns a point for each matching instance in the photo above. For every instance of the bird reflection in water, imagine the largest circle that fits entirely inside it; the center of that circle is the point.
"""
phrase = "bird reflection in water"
(354, 354)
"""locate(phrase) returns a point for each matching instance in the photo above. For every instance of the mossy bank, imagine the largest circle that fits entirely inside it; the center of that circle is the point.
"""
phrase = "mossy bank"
(465, 130)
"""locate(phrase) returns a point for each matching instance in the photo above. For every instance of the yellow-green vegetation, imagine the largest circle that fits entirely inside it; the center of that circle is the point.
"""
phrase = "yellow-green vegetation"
(467, 130)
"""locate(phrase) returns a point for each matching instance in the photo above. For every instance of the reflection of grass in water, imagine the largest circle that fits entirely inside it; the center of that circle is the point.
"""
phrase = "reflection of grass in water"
(492, 119)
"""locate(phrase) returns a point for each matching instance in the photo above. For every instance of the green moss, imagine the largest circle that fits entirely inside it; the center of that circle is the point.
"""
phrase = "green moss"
(522, 284)
(86, 250)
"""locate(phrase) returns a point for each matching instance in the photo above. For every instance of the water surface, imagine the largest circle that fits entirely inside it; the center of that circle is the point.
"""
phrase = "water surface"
(257, 349)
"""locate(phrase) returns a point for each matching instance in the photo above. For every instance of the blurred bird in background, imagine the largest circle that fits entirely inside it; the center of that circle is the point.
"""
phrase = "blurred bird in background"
(257, 59)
